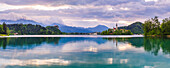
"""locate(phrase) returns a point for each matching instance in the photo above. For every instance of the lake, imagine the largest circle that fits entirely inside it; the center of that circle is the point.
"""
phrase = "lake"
(84, 52)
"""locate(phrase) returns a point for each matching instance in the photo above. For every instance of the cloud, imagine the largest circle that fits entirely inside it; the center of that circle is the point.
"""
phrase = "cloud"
(12, 16)
(38, 7)
(151, 0)
(86, 13)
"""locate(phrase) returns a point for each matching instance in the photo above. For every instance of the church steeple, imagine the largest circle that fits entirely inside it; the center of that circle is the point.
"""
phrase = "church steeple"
(116, 26)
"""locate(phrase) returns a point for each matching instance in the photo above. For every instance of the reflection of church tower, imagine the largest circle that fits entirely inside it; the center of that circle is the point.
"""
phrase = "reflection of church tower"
(116, 27)
(116, 43)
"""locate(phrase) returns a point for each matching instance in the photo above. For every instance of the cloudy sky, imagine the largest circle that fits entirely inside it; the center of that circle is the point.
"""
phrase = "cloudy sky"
(84, 13)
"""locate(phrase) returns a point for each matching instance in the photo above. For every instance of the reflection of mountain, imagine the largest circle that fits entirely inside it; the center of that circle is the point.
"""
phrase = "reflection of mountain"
(152, 45)
(78, 52)
(33, 42)
(137, 42)
(78, 39)
(62, 27)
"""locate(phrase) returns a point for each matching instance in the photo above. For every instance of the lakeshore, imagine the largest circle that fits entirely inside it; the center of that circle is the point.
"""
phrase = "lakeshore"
(102, 36)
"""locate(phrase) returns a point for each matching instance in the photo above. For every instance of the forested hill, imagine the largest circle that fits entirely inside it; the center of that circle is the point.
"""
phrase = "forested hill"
(136, 28)
(62, 27)
(29, 29)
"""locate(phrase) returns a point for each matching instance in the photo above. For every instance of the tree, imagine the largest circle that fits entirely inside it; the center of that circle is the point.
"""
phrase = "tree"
(152, 27)
(165, 26)
(1, 29)
(30, 29)
(5, 28)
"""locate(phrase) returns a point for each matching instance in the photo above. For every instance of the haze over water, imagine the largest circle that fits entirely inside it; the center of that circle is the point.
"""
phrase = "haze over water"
(71, 52)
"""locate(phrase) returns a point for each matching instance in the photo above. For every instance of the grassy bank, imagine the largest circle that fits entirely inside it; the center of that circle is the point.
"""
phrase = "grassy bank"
(168, 36)
(3, 35)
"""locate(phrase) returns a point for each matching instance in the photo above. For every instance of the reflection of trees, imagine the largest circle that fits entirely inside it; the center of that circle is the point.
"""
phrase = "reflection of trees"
(26, 42)
(165, 44)
(152, 45)
(4, 42)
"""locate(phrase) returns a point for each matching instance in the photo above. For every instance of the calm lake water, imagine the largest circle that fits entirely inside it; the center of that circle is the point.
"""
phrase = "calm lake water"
(81, 52)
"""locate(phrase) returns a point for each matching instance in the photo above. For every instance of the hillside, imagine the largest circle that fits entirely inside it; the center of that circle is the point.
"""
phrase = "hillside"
(136, 28)
(70, 29)
(63, 28)
(29, 29)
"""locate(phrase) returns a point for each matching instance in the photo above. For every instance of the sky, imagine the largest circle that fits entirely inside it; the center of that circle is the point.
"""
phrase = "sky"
(85, 13)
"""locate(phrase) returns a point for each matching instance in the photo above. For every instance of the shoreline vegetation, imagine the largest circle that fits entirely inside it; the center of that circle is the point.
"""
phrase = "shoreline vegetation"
(91, 36)
(28, 29)
(117, 32)
(150, 28)
(4, 30)
(153, 27)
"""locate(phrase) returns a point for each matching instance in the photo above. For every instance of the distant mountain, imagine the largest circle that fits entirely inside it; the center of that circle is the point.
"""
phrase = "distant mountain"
(63, 28)
(135, 28)
(98, 28)
(19, 21)
(70, 29)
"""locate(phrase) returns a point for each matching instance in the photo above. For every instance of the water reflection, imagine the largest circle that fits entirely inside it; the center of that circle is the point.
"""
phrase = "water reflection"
(89, 52)
(152, 45)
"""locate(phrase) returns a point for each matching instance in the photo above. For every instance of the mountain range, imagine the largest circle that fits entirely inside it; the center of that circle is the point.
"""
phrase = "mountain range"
(136, 27)
(63, 28)
(70, 29)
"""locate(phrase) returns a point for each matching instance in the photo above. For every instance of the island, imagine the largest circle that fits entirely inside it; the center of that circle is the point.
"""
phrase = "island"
(116, 31)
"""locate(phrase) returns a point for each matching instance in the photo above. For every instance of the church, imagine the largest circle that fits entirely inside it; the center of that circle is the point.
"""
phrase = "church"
(114, 29)
(111, 31)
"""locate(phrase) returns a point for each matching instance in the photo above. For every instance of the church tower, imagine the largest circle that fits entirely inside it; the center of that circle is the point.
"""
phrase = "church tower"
(116, 27)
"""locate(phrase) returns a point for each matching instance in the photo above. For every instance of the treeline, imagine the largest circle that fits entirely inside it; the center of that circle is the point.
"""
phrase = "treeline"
(29, 29)
(4, 29)
(116, 32)
(154, 27)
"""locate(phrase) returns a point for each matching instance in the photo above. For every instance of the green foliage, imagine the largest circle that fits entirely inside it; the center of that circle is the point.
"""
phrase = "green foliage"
(116, 32)
(53, 30)
(105, 32)
(153, 27)
(1, 29)
(4, 29)
(29, 29)
(165, 26)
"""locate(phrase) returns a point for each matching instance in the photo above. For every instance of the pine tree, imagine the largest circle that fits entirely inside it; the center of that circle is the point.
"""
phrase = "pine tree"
(4, 28)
